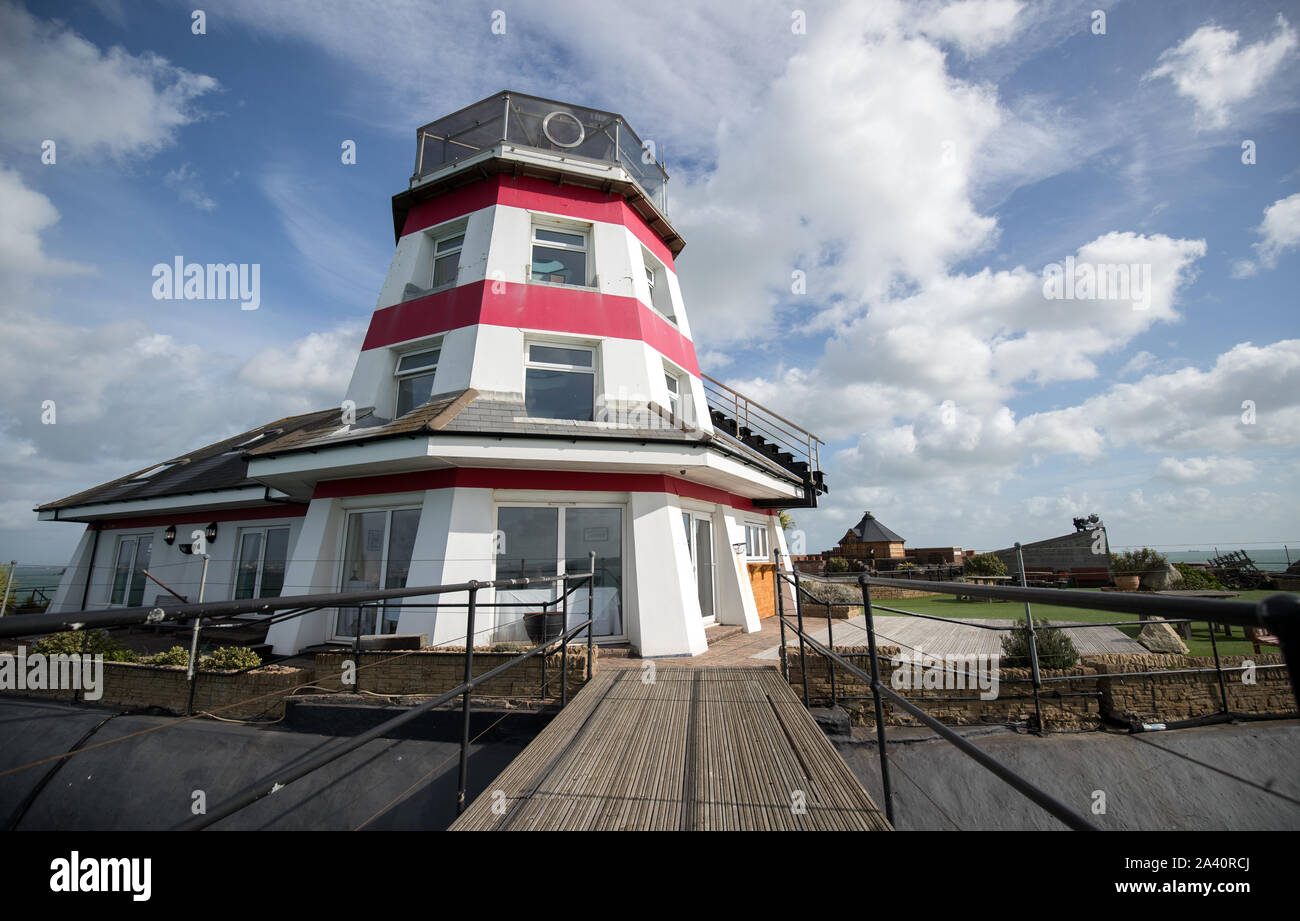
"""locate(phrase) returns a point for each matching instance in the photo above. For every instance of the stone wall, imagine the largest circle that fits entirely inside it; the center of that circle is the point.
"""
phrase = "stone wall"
(1014, 703)
(1156, 698)
(256, 695)
(1100, 692)
(435, 671)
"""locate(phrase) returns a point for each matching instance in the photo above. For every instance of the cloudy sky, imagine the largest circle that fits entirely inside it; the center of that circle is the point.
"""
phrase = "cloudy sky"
(873, 195)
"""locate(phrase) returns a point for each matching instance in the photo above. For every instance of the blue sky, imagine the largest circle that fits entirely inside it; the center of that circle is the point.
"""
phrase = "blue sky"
(920, 162)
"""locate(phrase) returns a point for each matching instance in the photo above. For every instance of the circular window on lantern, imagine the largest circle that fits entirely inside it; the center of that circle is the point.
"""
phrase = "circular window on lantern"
(563, 129)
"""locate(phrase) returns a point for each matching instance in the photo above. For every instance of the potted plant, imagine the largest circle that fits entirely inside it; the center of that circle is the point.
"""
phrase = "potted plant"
(1129, 567)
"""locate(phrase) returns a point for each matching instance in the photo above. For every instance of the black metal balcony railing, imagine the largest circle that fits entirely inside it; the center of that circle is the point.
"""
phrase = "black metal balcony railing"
(542, 124)
(765, 432)
(1278, 614)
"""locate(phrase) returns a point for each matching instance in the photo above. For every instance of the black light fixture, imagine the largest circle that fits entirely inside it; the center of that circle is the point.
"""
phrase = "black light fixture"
(169, 536)
(211, 533)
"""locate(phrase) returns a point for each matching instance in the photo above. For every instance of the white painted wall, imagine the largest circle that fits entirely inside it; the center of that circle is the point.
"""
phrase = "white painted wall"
(312, 568)
(665, 610)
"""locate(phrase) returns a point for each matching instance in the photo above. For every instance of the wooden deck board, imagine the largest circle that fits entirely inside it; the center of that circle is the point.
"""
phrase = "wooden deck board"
(696, 749)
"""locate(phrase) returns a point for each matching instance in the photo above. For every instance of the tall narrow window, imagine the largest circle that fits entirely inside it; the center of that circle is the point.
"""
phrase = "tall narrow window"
(263, 553)
(415, 373)
(446, 259)
(560, 382)
(128, 570)
(674, 393)
(560, 255)
(656, 276)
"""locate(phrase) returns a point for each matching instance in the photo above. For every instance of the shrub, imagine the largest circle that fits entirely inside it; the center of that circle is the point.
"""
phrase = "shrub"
(1137, 562)
(177, 655)
(230, 658)
(1197, 579)
(985, 564)
(837, 564)
(1055, 648)
(837, 593)
(91, 642)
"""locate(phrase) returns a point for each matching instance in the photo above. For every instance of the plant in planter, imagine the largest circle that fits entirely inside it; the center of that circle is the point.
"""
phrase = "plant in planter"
(844, 598)
(837, 564)
(1055, 648)
(1130, 566)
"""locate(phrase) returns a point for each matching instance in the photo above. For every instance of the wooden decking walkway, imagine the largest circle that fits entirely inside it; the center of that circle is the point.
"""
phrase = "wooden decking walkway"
(696, 749)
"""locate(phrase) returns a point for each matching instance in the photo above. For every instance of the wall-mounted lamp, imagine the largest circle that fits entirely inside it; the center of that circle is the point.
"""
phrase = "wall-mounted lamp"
(739, 547)
(169, 536)
(211, 533)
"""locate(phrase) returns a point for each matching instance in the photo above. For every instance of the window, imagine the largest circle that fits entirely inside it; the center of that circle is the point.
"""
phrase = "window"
(415, 373)
(756, 541)
(376, 553)
(446, 259)
(262, 556)
(560, 382)
(559, 255)
(128, 571)
(674, 393)
(656, 277)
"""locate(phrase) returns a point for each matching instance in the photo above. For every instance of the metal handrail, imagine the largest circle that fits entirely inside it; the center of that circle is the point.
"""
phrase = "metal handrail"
(1279, 613)
(755, 416)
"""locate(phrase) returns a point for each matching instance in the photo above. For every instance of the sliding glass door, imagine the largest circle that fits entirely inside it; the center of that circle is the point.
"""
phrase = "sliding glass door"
(549, 540)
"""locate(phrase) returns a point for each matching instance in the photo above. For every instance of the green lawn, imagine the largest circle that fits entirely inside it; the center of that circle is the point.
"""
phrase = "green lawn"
(948, 606)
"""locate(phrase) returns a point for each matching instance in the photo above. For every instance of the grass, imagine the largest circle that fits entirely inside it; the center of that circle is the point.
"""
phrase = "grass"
(1198, 645)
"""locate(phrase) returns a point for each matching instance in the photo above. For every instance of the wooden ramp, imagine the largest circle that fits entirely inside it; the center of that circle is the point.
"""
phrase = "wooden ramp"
(721, 749)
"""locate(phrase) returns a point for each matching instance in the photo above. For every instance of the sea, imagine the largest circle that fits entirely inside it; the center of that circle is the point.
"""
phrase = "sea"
(31, 578)
(1274, 559)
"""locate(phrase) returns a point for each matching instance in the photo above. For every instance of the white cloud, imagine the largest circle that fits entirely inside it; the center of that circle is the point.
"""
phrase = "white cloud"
(974, 26)
(54, 84)
(317, 366)
(28, 214)
(1208, 68)
(1280, 231)
(1222, 471)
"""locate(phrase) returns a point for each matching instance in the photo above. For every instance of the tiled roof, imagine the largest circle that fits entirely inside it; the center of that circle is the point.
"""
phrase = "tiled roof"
(222, 465)
(469, 412)
(871, 530)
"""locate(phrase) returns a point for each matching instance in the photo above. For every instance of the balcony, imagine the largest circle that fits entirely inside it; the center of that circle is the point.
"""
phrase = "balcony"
(573, 132)
(762, 432)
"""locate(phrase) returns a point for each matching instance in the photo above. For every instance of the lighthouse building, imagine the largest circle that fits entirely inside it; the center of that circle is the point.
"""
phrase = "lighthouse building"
(527, 394)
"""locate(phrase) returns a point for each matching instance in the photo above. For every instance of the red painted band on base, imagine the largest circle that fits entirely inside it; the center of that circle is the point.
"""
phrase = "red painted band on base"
(556, 480)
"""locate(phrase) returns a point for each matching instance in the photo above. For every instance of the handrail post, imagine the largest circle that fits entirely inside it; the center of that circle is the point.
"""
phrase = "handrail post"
(469, 676)
(564, 643)
(591, 609)
(1033, 642)
(830, 663)
(356, 651)
(798, 618)
(1218, 667)
(875, 694)
(780, 612)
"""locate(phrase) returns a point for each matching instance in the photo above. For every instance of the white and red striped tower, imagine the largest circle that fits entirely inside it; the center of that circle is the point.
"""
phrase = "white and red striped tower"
(528, 392)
